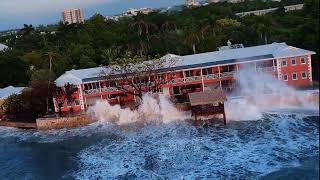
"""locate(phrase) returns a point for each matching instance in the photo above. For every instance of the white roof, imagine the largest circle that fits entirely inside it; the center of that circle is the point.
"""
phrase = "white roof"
(277, 50)
(274, 50)
(2, 47)
(10, 90)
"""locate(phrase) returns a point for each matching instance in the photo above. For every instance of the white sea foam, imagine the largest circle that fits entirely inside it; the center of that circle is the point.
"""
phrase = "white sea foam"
(243, 150)
(150, 109)
(260, 92)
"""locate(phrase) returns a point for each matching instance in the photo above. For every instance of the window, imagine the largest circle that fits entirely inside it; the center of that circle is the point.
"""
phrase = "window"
(141, 80)
(285, 77)
(284, 63)
(303, 60)
(294, 76)
(304, 75)
(77, 102)
(69, 102)
(86, 87)
(189, 73)
(112, 83)
(293, 62)
(228, 68)
(113, 96)
(176, 90)
(206, 71)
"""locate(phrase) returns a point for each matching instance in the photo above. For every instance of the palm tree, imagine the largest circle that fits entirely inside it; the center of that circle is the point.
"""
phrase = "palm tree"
(192, 40)
(51, 55)
(168, 26)
(27, 29)
(143, 27)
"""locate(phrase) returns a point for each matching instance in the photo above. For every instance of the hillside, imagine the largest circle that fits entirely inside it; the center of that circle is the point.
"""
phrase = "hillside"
(196, 30)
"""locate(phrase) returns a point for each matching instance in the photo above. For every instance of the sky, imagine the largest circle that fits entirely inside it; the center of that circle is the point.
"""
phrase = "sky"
(15, 13)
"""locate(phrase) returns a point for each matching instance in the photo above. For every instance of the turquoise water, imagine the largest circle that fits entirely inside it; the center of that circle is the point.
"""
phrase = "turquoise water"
(278, 146)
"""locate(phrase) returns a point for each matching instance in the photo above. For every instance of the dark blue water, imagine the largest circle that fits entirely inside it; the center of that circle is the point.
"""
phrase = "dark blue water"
(279, 146)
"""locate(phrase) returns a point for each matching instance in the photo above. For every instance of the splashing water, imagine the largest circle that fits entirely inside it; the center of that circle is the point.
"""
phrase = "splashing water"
(175, 149)
(150, 109)
(255, 93)
(260, 92)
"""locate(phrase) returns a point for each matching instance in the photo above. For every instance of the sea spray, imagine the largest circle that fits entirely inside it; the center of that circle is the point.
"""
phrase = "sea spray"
(257, 92)
(150, 109)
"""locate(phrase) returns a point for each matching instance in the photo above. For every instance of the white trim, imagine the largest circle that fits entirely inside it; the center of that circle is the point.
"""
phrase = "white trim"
(81, 97)
(305, 54)
(310, 67)
(279, 69)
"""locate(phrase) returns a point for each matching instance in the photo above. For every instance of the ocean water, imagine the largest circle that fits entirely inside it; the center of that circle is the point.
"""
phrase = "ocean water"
(280, 145)
(272, 133)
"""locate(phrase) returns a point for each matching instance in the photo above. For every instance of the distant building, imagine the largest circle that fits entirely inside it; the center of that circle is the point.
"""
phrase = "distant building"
(6, 92)
(134, 12)
(192, 3)
(230, 46)
(2, 47)
(293, 7)
(130, 13)
(262, 12)
(257, 12)
(72, 16)
(229, 1)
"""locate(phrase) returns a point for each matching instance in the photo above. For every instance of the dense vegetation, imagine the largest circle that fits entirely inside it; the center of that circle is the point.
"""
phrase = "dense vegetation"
(97, 41)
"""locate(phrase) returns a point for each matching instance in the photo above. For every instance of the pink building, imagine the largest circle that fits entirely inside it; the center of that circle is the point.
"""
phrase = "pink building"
(198, 72)
(72, 16)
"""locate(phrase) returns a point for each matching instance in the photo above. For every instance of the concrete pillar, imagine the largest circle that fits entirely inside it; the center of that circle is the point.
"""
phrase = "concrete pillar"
(82, 102)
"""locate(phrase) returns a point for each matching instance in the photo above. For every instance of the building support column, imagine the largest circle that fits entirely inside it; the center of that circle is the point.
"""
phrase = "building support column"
(82, 102)
(184, 76)
(309, 68)
(219, 77)
(100, 87)
(279, 69)
(202, 80)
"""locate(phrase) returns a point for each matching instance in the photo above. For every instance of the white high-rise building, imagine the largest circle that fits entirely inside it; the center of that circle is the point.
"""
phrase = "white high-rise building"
(72, 16)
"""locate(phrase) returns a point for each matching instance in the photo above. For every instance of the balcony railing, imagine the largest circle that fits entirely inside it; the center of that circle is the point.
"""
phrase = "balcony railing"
(267, 69)
(91, 91)
(108, 89)
(227, 74)
(210, 76)
(193, 78)
(176, 81)
(173, 81)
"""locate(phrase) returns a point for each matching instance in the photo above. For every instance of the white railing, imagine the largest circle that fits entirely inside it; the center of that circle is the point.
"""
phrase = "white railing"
(108, 89)
(176, 81)
(192, 78)
(267, 69)
(91, 91)
(210, 76)
(227, 74)
(173, 81)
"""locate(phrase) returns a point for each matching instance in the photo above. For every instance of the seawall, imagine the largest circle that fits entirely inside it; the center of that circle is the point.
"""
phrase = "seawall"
(63, 122)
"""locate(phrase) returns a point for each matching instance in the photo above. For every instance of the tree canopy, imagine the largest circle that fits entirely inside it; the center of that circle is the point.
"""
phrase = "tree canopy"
(35, 50)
